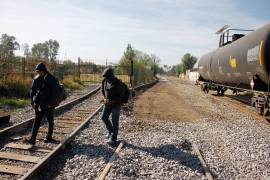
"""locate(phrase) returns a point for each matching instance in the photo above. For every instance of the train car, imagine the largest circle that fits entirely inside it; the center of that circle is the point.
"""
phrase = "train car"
(242, 62)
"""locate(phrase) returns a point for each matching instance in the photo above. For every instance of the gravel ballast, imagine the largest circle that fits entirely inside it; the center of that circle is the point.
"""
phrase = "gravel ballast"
(233, 144)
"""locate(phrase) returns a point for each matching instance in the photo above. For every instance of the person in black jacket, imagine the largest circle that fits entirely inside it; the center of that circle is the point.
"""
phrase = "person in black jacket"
(44, 96)
(112, 91)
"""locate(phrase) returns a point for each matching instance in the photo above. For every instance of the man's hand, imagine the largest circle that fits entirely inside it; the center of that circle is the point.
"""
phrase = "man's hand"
(49, 106)
(107, 102)
(104, 100)
(34, 106)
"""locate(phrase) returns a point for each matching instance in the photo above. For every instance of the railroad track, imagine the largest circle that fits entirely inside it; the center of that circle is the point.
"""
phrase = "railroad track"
(23, 161)
(241, 104)
(60, 109)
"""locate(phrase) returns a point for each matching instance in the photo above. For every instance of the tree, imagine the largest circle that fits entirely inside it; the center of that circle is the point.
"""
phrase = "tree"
(129, 54)
(26, 50)
(67, 68)
(171, 70)
(179, 69)
(53, 47)
(8, 45)
(144, 65)
(40, 51)
(155, 67)
(188, 61)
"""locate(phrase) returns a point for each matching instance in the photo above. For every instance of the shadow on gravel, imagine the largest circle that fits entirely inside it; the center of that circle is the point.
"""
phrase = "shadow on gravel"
(242, 98)
(182, 153)
(94, 151)
(58, 164)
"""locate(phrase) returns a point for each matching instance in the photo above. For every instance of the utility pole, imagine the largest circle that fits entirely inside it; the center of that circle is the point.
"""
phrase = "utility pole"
(130, 54)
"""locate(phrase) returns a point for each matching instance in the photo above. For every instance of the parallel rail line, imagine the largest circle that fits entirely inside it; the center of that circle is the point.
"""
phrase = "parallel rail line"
(19, 126)
(240, 104)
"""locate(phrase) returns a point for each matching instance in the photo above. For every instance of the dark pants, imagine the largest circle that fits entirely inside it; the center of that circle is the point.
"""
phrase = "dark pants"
(39, 116)
(112, 126)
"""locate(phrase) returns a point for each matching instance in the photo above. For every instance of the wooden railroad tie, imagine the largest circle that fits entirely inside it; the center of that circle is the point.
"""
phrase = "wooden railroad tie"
(12, 169)
(4, 118)
(68, 122)
(109, 164)
(19, 157)
(27, 147)
(80, 112)
(206, 169)
(57, 131)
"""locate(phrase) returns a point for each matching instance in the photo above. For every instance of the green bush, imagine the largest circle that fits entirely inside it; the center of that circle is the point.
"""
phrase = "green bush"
(144, 65)
(14, 102)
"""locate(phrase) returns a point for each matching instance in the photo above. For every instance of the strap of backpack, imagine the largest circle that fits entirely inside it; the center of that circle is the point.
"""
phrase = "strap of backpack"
(105, 88)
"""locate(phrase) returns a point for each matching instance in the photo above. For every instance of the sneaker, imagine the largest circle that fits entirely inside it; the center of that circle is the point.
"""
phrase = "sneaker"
(112, 143)
(29, 141)
(109, 135)
(50, 140)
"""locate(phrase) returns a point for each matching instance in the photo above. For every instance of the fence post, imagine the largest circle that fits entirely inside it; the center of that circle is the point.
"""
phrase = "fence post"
(131, 73)
(23, 68)
(79, 68)
(4, 70)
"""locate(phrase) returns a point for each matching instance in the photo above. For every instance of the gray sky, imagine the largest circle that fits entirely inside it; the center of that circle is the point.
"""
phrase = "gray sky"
(97, 30)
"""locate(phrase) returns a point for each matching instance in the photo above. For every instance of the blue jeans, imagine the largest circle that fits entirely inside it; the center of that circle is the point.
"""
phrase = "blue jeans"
(112, 126)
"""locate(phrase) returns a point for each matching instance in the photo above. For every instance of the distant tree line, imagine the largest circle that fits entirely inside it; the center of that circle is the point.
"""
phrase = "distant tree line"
(47, 50)
(145, 66)
(187, 62)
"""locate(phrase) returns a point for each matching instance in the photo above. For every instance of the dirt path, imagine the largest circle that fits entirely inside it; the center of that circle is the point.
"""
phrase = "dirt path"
(167, 101)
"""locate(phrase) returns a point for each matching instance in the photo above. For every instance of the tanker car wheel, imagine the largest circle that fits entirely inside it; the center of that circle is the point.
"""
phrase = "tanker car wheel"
(266, 112)
(260, 110)
(204, 88)
(252, 103)
(220, 91)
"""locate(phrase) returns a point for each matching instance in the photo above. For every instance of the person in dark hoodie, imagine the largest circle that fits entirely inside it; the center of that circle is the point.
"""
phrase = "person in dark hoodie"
(112, 91)
(44, 96)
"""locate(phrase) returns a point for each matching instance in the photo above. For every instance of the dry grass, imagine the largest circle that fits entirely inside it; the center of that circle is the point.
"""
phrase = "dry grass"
(15, 85)
(72, 82)
(98, 78)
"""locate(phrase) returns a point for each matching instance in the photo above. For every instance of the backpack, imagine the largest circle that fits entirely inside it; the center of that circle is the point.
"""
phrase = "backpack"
(62, 94)
(126, 92)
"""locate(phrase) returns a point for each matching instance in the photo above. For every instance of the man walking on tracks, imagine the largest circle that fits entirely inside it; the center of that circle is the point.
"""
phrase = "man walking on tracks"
(44, 98)
(115, 93)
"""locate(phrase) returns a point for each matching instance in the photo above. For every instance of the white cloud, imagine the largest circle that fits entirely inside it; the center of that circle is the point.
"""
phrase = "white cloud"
(100, 30)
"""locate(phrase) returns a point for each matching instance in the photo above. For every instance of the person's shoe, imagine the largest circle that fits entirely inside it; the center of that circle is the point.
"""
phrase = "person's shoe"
(109, 135)
(50, 140)
(29, 141)
(112, 143)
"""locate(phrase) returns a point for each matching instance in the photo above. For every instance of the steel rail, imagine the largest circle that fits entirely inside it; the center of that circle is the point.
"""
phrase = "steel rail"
(22, 125)
(39, 166)
(34, 171)
(240, 89)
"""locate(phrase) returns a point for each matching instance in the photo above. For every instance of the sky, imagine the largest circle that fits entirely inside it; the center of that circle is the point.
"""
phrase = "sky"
(97, 30)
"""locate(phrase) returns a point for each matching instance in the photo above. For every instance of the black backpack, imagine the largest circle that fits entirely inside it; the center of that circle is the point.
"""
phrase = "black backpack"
(62, 94)
(126, 92)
